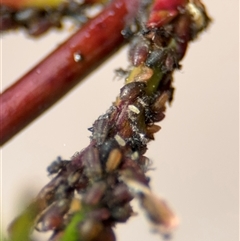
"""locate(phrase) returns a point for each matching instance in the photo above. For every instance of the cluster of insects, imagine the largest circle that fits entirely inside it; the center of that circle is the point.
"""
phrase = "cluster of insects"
(37, 21)
(90, 193)
(108, 174)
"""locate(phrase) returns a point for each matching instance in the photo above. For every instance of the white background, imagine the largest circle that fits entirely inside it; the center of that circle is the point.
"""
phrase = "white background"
(195, 155)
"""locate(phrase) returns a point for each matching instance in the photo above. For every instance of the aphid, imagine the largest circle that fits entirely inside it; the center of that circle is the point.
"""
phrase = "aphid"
(182, 32)
(38, 26)
(120, 194)
(155, 58)
(158, 116)
(25, 15)
(100, 129)
(47, 194)
(138, 52)
(170, 62)
(160, 101)
(160, 36)
(121, 213)
(75, 205)
(113, 160)
(106, 148)
(135, 142)
(198, 13)
(94, 193)
(129, 31)
(89, 229)
(52, 218)
(151, 130)
(141, 73)
(160, 215)
(6, 19)
(120, 140)
(106, 234)
(63, 191)
(135, 155)
(145, 163)
(100, 214)
(91, 161)
(73, 178)
(132, 90)
(76, 161)
(132, 170)
(144, 75)
(57, 165)
(134, 109)
(121, 72)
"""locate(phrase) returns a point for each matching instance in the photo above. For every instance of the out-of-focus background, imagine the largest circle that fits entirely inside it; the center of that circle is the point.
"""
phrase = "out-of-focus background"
(195, 155)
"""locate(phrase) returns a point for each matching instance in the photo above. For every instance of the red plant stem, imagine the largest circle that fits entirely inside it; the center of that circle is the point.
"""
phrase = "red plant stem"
(53, 77)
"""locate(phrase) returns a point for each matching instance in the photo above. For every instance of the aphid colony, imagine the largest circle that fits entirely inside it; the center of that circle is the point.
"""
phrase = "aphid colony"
(92, 192)
(36, 19)
(105, 176)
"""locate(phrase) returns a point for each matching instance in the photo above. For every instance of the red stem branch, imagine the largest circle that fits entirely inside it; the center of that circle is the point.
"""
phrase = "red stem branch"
(54, 76)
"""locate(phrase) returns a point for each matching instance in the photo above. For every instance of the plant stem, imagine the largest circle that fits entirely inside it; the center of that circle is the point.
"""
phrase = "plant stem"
(40, 3)
(60, 71)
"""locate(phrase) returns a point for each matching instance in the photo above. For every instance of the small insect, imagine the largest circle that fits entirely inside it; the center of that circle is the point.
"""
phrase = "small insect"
(160, 101)
(145, 164)
(73, 178)
(63, 191)
(100, 129)
(129, 31)
(122, 213)
(120, 140)
(121, 73)
(120, 194)
(161, 217)
(138, 51)
(155, 58)
(158, 116)
(39, 16)
(52, 218)
(57, 165)
(132, 90)
(151, 130)
(134, 109)
(25, 15)
(145, 74)
(113, 160)
(198, 13)
(94, 193)
(106, 148)
(91, 161)
(89, 229)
